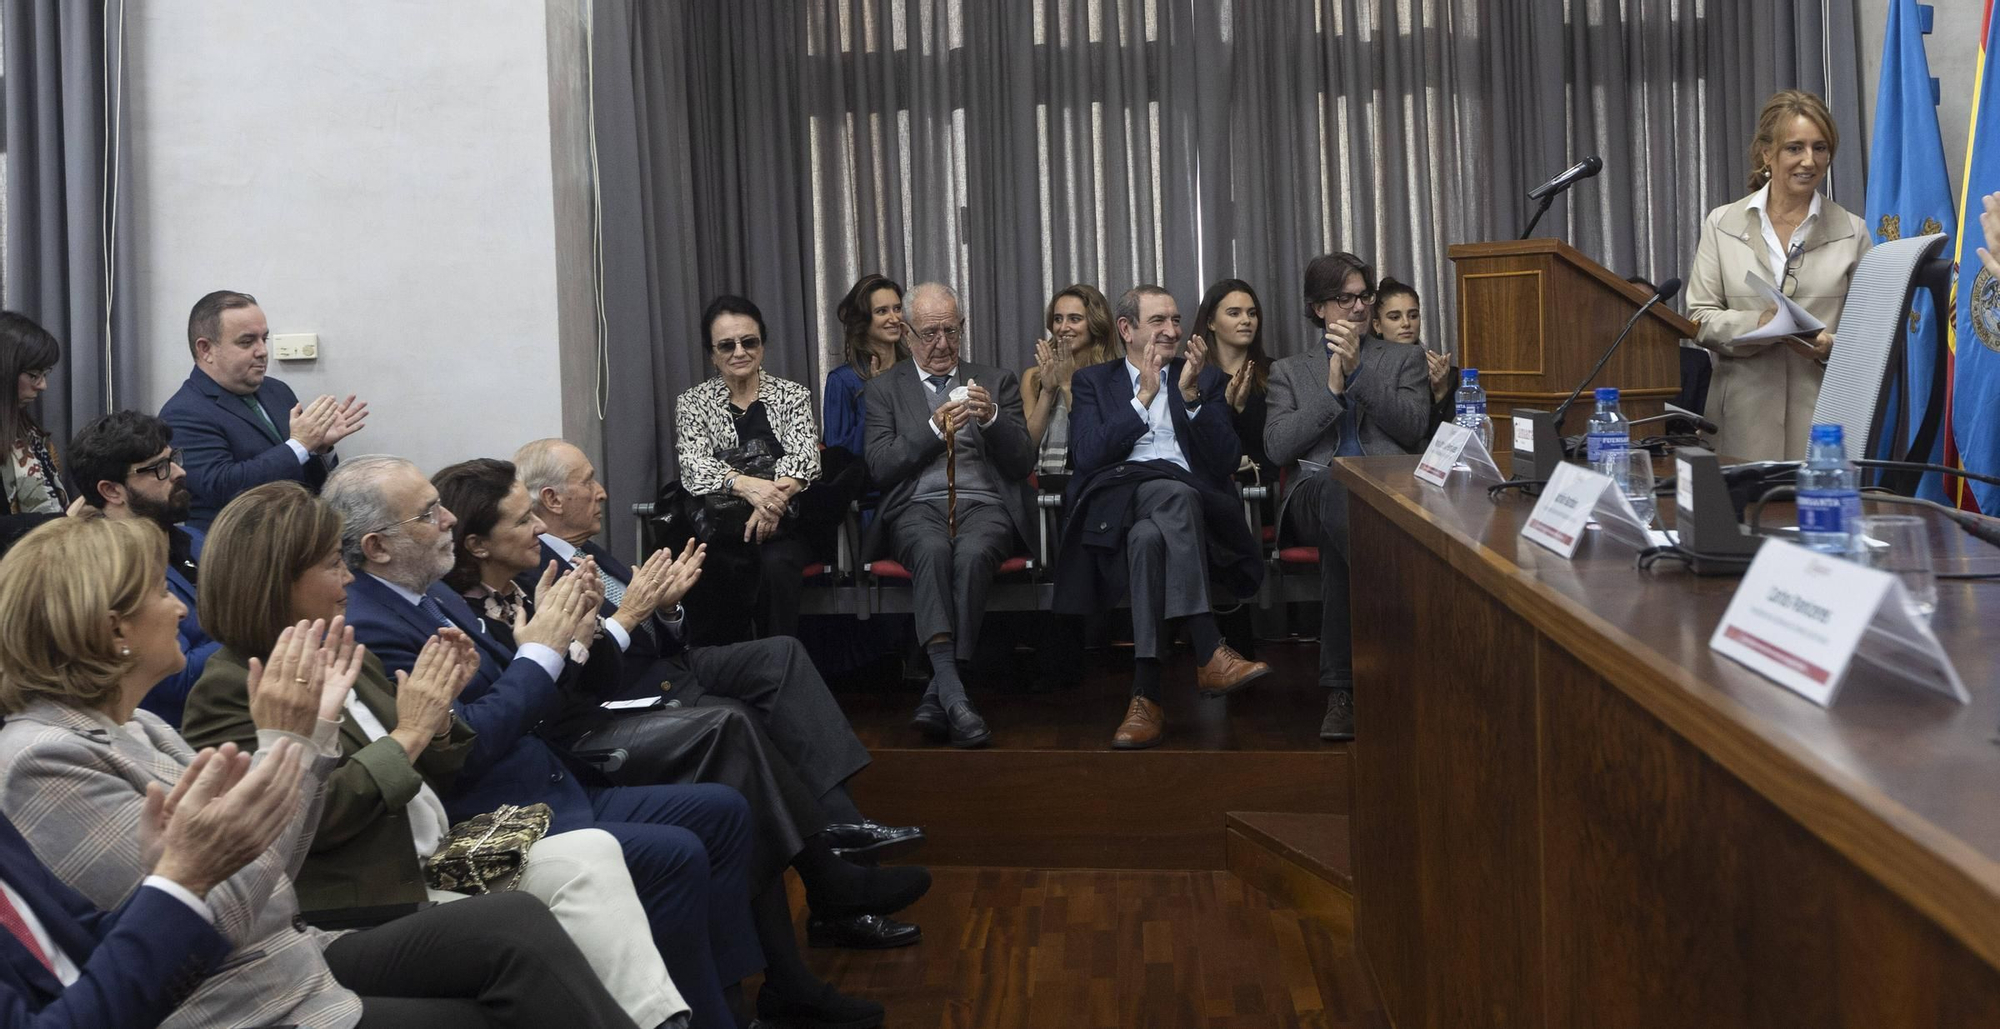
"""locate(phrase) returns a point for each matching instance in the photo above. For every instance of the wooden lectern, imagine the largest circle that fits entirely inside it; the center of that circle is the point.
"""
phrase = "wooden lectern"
(1535, 314)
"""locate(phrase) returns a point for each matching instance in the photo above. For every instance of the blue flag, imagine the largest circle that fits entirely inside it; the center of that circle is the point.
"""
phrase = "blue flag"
(1975, 295)
(1909, 194)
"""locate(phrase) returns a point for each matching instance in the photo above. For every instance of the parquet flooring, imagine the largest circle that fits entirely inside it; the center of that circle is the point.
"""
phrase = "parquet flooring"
(1035, 949)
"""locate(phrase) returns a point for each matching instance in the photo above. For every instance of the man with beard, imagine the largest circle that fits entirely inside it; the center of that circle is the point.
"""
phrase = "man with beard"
(126, 467)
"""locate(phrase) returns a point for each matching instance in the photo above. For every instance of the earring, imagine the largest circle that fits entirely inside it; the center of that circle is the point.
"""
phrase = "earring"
(124, 651)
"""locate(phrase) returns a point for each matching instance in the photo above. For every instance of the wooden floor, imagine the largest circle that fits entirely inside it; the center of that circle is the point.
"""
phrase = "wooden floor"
(1018, 948)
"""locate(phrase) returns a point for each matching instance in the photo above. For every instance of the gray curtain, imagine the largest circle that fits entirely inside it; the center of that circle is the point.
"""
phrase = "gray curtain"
(58, 207)
(782, 148)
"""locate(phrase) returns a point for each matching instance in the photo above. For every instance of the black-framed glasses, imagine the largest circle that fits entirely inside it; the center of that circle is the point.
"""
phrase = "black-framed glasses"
(163, 469)
(748, 343)
(1348, 299)
(940, 332)
(1790, 283)
(433, 514)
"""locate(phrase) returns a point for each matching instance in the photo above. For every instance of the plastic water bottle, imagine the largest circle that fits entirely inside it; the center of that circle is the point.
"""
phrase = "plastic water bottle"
(1471, 401)
(1610, 430)
(1829, 497)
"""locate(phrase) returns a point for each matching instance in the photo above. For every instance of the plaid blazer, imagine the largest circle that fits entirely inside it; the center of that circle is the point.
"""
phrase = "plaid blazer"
(73, 782)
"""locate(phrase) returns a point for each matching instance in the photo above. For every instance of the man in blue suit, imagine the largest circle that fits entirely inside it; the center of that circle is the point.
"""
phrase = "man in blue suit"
(237, 427)
(125, 466)
(64, 963)
(1152, 510)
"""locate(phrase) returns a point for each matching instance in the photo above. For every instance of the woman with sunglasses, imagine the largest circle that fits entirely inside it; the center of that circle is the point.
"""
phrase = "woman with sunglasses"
(746, 434)
(1786, 234)
(28, 473)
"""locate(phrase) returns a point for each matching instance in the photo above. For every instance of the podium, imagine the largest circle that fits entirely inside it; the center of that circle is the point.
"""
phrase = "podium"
(1535, 314)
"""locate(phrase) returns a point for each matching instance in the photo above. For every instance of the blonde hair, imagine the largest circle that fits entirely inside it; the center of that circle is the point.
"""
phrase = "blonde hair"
(1783, 106)
(1096, 321)
(57, 587)
(258, 548)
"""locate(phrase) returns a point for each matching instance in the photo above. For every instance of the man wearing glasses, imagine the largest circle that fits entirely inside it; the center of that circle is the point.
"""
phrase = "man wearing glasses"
(1352, 395)
(126, 467)
(241, 428)
(950, 521)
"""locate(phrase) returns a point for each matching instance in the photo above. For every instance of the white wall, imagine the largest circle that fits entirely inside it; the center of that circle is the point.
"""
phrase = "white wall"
(1953, 50)
(375, 171)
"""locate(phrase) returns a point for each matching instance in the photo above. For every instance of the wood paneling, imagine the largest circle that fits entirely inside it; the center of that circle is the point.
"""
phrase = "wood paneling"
(1568, 812)
(1300, 861)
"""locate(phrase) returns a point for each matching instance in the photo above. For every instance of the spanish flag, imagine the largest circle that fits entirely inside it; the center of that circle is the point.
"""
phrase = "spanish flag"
(1973, 410)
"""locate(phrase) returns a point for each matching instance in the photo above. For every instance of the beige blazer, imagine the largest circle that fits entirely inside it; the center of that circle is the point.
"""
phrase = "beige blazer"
(1762, 395)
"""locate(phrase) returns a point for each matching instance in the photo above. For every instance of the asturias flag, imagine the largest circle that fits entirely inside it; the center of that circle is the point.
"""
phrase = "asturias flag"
(1975, 337)
(1909, 194)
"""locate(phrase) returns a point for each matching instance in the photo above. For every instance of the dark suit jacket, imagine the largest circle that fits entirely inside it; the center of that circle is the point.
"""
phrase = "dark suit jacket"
(657, 658)
(900, 443)
(226, 450)
(138, 962)
(505, 703)
(168, 698)
(363, 853)
(1103, 428)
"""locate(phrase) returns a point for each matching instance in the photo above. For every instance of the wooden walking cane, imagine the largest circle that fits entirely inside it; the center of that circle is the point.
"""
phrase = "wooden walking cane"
(950, 478)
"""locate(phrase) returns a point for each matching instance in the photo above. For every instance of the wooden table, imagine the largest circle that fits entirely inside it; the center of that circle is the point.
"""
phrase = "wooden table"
(1569, 812)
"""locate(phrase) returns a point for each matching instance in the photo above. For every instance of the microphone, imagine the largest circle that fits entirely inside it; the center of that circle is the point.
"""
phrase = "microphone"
(1683, 414)
(1577, 172)
(1548, 191)
(1666, 291)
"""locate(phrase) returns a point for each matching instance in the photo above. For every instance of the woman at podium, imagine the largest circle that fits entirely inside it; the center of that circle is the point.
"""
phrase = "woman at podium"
(1786, 237)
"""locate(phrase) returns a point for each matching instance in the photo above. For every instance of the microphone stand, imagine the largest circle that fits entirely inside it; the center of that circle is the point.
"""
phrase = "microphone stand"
(1562, 409)
(1547, 201)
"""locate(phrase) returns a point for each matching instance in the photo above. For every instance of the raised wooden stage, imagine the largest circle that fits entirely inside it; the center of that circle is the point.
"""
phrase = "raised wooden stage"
(1570, 813)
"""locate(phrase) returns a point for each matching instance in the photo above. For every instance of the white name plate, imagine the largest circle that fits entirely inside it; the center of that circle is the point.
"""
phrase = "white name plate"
(1565, 507)
(1800, 618)
(1456, 448)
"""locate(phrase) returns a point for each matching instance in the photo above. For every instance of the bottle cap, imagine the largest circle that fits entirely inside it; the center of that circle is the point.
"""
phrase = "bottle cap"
(1468, 374)
(1827, 434)
(1607, 394)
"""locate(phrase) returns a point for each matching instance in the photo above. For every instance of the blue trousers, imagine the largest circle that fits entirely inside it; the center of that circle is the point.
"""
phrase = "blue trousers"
(688, 849)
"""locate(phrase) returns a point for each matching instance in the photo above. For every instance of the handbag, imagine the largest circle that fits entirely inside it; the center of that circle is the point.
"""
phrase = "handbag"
(487, 853)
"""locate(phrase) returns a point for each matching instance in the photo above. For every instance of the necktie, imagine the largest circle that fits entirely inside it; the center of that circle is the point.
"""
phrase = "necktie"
(10, 916)
(614, 591)
(262, 418)
(938, 381)
(429, 605)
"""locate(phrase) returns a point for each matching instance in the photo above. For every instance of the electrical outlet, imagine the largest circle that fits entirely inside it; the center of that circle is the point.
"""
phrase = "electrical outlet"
(295, 346)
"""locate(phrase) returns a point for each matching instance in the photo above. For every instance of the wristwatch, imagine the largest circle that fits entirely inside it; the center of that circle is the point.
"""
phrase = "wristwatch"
(729, 484)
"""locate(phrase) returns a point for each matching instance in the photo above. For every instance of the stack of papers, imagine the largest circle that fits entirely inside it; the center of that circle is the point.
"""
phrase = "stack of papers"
(1791, 319)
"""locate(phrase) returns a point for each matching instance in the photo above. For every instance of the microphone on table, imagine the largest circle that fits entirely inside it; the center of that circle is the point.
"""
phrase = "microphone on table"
(1673, 413)
(1548, 191)
(1666, 291)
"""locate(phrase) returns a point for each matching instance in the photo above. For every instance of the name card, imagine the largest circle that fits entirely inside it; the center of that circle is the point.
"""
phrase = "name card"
(1801, 618)
(1567, 502)
(1457, 448)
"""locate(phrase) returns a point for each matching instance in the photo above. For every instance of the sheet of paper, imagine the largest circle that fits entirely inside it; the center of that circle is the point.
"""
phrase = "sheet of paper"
(1791, 319)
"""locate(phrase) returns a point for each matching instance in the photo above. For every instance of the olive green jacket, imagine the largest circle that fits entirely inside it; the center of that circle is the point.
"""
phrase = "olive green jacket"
(363, 854)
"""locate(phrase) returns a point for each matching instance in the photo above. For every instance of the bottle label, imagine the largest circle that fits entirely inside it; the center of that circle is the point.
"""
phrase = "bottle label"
(1602, 443)
(1470, 410)
(1826, 511)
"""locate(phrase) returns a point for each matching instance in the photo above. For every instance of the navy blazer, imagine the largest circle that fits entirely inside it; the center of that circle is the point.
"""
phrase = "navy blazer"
(169, 698)
(138, 962)
(1103, 427)
(227, 450)
(504, 704)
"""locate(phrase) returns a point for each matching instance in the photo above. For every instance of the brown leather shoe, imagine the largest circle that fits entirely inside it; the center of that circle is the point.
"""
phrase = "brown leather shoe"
(1145, 725)
(1226, 672)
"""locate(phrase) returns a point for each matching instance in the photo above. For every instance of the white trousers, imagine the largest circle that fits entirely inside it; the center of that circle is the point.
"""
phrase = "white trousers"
(581, 876)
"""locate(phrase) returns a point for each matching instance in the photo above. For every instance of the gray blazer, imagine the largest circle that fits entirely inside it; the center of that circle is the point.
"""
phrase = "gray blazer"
(74, 783)
(900, 443)
(1391, 391)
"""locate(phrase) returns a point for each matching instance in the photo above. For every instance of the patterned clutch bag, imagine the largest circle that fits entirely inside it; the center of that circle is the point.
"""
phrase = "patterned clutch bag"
(486, 853)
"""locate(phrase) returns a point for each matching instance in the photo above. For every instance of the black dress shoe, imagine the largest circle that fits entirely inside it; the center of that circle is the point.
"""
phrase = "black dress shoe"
(872, 840)
(967, 728)
(822, 1008)
(930, 720)
(861, 932)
